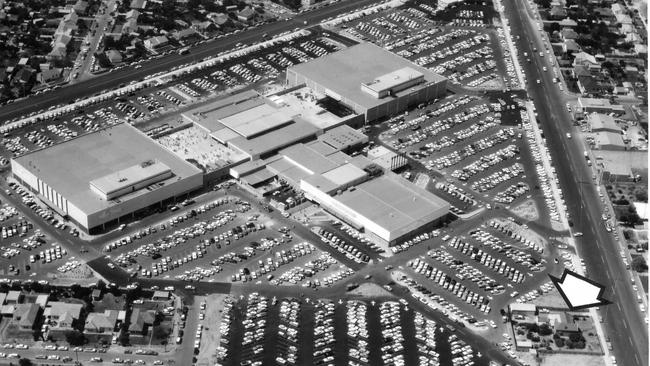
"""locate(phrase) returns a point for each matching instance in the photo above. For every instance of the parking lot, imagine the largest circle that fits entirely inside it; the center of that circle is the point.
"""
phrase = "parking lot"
(26, 249)
(289, 331)
(465, 51)
(225, 239)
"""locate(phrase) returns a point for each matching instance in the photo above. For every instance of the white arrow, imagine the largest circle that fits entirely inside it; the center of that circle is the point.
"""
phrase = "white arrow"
(578, 291)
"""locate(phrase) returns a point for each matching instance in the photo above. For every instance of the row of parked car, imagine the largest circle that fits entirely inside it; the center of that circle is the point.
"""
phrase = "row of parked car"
(350, 251)
(393, 345)
(465, 271)
(504, 174)
(435, 301)
(447, 141)
(449, 283)
(528, 260)
(485, 162)
(307, 271)
(288, 332)
(540, 152)
(487, 259)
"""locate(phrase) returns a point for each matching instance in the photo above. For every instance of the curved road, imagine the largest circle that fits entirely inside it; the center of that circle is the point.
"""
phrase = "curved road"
(623, 320)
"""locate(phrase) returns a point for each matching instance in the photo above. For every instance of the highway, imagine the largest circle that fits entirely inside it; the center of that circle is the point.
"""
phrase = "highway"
(624, 322)
(113, 79)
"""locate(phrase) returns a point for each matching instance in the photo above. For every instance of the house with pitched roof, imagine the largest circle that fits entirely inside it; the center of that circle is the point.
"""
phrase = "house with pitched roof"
(141, 321)
(101, 322)
(26, 316)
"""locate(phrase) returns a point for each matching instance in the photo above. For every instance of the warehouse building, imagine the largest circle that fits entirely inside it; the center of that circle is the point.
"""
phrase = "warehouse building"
(369, 80)
(353, 188)
(104, 177)
(388, 207)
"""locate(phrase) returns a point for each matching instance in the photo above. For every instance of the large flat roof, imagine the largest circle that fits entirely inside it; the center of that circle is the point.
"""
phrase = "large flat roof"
(257, 120)
(342, 137)
(345, 174)
(344, 71)
(393, 79)
(130, 176)
(301, 155)
(392, 204)
(274, 140)
(209, 116)
(69, 167)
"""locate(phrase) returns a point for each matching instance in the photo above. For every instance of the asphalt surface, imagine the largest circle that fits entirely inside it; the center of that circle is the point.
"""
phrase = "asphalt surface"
(113, 79)
(624, 322)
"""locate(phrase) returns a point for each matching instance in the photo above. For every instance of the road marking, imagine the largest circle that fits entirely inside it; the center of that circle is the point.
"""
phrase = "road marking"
(625, 324)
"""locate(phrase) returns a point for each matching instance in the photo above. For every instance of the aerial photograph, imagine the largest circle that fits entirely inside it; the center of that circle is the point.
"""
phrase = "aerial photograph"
(324, 182)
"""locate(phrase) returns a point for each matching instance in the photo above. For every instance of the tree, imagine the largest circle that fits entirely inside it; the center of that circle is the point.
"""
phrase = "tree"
(559, 342)
(75, 338)
(554, 27)
(160, 332)
(25, 362)
(639, 264)
(545, 330)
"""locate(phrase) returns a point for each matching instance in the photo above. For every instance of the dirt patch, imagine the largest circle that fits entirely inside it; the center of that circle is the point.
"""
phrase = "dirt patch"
(527, 210)
(561, 359)
(557, 226)
(370, 290)
(552, 300)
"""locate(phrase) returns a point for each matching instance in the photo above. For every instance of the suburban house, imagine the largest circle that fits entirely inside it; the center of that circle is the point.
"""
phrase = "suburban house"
(101, 322)
(586, 60)
(141, 321)
(26, 315)
(63, 314)
(565, 326)
(154, 43)
(246, 14)
(13, 297)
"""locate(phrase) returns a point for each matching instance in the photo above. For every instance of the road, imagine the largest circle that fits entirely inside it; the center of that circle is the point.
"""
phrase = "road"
(624, 322)
(113, 79)
(103, 19)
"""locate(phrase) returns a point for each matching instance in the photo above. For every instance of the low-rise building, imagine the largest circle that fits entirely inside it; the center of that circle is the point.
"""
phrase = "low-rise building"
(141, 321)
(25, 316)
(101, 322)
(156, 42)
(600, 122)
(598, 105)
(606, 140)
